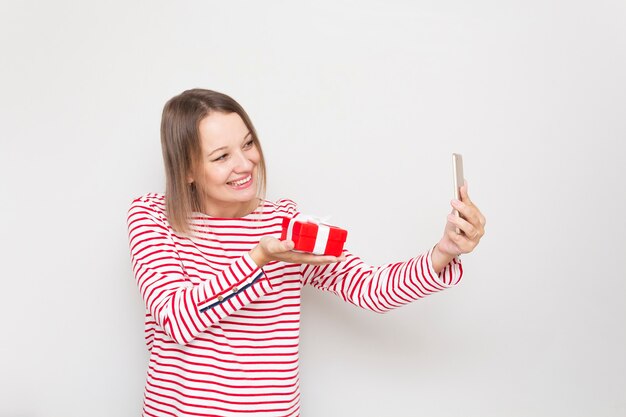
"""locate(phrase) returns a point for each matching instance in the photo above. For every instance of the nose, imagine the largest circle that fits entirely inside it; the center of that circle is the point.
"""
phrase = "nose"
(243, 163)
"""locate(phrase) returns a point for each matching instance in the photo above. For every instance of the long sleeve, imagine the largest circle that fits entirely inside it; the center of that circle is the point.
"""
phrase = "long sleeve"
(382, 288)
(181, 307)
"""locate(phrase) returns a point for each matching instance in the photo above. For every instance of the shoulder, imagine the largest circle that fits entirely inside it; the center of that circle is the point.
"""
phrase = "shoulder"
(150, 205)
(285, 207)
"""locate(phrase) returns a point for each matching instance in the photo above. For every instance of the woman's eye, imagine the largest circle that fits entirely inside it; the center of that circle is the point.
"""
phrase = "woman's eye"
(249, 144)
(221, 158)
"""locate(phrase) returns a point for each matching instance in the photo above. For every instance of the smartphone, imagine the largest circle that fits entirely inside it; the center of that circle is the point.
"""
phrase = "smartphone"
(458, 179)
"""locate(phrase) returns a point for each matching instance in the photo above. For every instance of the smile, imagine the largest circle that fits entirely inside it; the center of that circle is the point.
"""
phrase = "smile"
(241, 182)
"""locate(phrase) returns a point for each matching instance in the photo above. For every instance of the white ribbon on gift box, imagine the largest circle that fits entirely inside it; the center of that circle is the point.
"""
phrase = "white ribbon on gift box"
(323, 231)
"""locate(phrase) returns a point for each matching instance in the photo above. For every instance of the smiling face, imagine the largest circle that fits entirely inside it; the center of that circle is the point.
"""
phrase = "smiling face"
(226, 175)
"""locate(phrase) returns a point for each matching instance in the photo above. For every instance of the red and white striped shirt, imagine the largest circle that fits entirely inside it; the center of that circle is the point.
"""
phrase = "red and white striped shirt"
(223, 333)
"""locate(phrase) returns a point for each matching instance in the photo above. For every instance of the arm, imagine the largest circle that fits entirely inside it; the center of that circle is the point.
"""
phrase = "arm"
(382, 288)
(181, 308)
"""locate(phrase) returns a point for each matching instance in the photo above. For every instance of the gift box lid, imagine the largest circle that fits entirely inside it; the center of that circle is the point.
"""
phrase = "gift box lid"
(309, 229)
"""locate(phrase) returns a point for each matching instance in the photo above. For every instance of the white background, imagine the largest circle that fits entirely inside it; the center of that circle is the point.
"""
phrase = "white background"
(359, 105)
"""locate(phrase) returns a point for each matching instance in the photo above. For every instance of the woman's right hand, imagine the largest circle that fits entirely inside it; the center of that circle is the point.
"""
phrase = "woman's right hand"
(271, 249)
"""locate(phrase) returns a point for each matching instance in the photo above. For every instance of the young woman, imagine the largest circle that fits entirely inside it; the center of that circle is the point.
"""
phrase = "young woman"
(222, 292)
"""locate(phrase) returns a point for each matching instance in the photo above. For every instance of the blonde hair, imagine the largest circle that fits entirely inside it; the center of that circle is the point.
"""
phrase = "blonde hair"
(180, 142)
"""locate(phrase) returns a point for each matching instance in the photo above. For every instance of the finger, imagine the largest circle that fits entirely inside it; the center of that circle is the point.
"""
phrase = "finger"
(302, 258)
(307, 258)
(457, 240)
(480, 218)
(464, 194)
(466, 227)
(483, 220)
(462, 242)
(325, 259)
(469, 213)
(322, 259)
(288, 245)
(276, 246)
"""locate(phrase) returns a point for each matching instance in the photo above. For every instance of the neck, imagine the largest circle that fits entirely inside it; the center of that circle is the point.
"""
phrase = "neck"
(231, 211)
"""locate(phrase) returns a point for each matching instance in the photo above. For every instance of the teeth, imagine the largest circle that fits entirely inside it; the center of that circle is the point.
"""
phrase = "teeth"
(241, 182)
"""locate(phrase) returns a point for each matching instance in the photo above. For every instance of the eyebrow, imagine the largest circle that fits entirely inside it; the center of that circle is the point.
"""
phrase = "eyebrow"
(225, 147)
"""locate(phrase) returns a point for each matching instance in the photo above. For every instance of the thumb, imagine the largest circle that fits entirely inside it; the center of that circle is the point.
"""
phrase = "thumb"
(464, 195)
(278, 246)
(288, 245)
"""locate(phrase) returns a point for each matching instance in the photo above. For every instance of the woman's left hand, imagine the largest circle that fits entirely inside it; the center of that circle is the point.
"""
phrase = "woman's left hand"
(471, 223)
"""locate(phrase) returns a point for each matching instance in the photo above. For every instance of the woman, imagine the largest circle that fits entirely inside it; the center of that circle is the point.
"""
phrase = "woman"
(222, 292)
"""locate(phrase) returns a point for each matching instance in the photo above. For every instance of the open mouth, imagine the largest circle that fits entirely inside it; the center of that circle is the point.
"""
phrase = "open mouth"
(242, 182)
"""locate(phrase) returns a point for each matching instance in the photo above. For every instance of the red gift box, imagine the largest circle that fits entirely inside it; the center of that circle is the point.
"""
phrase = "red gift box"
(314, 237)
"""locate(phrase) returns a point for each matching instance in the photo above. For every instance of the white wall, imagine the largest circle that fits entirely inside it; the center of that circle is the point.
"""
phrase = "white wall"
(359, 105)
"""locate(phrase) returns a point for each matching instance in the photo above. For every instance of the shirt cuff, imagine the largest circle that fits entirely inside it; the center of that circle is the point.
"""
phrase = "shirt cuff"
(450, 275)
